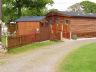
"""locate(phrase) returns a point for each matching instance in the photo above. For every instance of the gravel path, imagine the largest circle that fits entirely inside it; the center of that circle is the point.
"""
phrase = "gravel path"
(44, 59)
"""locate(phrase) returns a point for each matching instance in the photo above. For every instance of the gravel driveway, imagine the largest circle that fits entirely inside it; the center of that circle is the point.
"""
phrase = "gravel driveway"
(44, 59)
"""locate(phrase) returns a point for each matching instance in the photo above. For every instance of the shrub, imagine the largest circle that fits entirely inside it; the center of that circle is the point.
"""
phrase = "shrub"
(74, 37)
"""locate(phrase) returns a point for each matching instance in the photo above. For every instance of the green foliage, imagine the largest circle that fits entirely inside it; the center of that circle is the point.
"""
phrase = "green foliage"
(76, 8)
(74, 37)
(89, 7)
(13, 9)
(84, 6)
(2, 62)
(3, 39)
(1, 9)
(82, 60)
(52, 10)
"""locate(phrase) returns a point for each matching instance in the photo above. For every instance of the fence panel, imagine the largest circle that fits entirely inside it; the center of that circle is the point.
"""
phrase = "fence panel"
(13, 41)
(27, 39)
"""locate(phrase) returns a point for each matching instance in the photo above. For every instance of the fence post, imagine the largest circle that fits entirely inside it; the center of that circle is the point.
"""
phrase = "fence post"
(20, 40)
(70, 35)
(61, 35)
(35, 37)
(6, 38)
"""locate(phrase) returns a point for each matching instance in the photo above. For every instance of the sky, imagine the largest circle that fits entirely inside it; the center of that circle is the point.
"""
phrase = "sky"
(62, 5)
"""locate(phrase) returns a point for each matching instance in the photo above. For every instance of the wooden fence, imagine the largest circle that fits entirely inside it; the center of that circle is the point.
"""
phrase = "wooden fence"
(44, 34)
(55, 36)
(26, 39)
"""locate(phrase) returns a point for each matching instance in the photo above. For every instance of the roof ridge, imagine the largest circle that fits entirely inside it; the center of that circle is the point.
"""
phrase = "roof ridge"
(79, 14)
(30, 18)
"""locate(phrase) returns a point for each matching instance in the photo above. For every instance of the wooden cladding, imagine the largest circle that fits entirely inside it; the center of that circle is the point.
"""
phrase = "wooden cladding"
(25, 28)
(85, 34)
(82, 25)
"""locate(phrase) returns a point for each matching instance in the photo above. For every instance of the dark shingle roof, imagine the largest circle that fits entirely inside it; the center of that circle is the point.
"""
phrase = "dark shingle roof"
(77, 14)
(30, 18)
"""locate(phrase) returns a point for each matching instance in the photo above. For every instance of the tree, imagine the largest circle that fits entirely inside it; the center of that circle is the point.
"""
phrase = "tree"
(53, 10)
(85, 6)
(89, 7)
(0, 16)
(16, 8)
(76, 8)
(0, 9)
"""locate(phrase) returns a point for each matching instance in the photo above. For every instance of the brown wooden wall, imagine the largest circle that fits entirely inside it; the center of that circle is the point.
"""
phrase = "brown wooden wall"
(25, 28)
(83, 26)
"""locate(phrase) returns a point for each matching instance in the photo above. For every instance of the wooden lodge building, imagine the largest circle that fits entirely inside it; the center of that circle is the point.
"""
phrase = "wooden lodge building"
(58, 24)
(72, 23)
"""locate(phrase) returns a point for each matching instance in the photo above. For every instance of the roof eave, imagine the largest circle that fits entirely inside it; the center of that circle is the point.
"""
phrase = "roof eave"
(81, 17)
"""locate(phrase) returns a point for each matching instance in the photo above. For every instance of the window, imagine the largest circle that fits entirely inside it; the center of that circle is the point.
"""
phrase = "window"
(67, 21)
(50, 22)
(42, 24)
(57, 22)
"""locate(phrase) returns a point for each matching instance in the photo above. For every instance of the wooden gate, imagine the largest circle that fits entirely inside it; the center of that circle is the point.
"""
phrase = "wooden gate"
(45, 33)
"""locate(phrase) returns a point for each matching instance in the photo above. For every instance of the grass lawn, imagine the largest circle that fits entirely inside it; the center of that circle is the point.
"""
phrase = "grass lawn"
(82, 60)
(31, 47)
(2, 62)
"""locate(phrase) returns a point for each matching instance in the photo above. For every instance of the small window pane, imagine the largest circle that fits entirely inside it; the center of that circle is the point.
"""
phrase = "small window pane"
(41, 24)
(63, 22)
(50, 22)
(66, 22)
(57, 21)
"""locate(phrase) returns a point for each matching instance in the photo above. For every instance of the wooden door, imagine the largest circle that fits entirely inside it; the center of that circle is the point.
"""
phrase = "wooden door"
(66, 32)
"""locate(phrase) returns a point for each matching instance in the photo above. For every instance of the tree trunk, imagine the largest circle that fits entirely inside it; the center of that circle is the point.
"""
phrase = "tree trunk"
(1, 9)
(0, 16)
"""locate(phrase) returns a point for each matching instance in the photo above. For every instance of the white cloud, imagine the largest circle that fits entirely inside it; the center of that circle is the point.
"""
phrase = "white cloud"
(64, 4)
